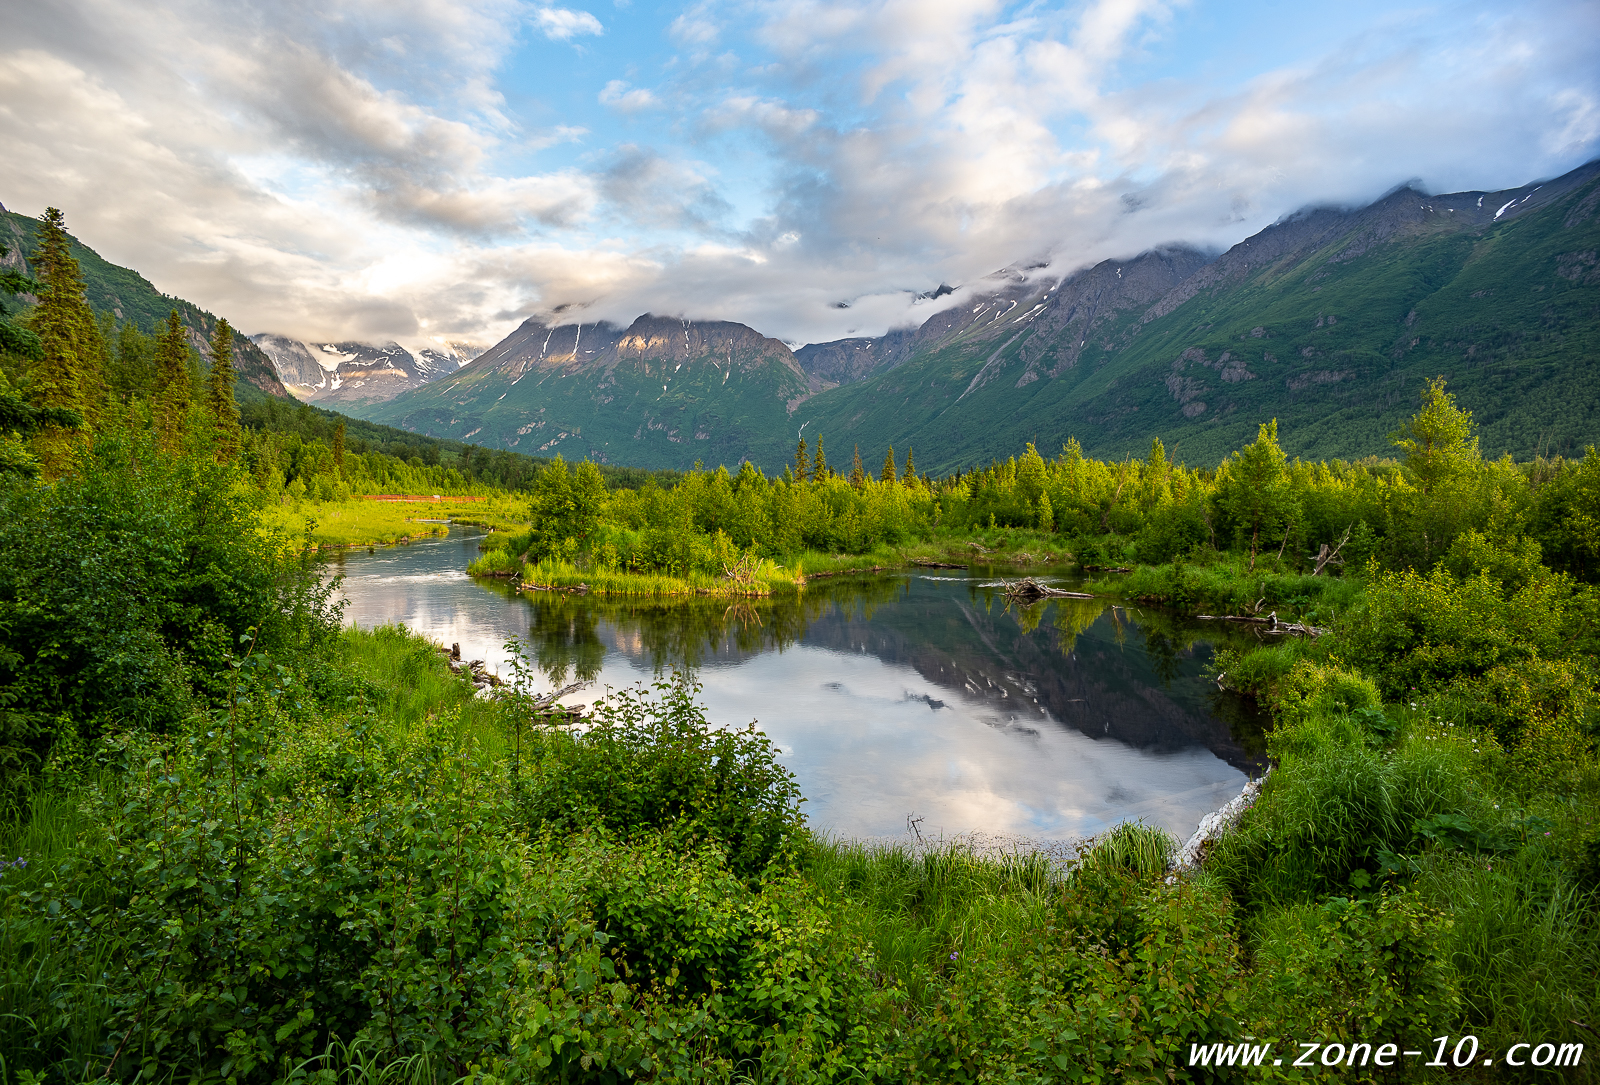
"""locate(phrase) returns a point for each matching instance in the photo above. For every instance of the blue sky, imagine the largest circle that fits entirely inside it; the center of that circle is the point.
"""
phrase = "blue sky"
(436, 168)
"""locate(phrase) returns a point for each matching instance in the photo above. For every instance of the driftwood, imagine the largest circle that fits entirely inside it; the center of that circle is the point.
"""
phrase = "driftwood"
(1271, 625)
(842, 572)
(576, 589)
(1029, 590)
(475, 669)
(926, 564)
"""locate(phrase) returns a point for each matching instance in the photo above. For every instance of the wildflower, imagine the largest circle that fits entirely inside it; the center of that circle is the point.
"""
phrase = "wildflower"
(953, 956)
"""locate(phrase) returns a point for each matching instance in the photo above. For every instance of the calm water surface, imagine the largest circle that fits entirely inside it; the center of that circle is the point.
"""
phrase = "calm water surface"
(889, 697)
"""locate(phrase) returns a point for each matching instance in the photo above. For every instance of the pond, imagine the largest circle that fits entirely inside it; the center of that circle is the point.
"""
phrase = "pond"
(919, 698)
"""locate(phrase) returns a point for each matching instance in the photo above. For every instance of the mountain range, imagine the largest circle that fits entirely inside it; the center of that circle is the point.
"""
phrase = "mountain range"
(336, 374)
(1330, 320)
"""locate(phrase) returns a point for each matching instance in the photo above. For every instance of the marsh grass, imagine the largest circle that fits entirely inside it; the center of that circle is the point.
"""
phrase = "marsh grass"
(407, 680)
(1144, 850)
(1523, 942)
(357, 1063)
(766, 578)
(359, 521)
(1229, 586)
(921, 911)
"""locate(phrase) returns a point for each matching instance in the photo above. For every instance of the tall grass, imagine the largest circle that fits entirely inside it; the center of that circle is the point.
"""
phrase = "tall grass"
(767, 578)
(1524, 944)
(921, 912)
(359, 521)
(1229, 586)
(407, 680)
(51, 1008)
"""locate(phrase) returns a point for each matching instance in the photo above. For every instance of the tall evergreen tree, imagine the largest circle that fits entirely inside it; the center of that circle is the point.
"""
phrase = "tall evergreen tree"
(132, 373)
(800, 466)
(338, 448)
(858, 474)
(889, 472)
(64, 377)
(819, 466)
(219, 393)
(172, 393)
(910, 473)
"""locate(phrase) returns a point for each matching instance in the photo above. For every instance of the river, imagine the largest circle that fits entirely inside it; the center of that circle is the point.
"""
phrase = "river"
(918, 698)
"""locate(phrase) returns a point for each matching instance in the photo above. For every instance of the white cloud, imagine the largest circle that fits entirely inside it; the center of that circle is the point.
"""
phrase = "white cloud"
(562, 24)
(355, 168)
(618, 95)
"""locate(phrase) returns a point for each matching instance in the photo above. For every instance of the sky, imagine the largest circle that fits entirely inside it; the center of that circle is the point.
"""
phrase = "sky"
(413, 169)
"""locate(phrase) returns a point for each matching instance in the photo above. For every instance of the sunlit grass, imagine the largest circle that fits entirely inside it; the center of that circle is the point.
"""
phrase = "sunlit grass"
(766, 578)
(360, 521)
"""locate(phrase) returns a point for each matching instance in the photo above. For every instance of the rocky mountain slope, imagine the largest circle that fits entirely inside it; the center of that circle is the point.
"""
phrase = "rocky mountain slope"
(661, 392)
(1329, 320)
(337, 374)
(127, 295)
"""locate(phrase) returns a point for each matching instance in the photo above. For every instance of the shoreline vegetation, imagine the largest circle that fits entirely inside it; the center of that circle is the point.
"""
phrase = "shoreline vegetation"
(240, 843)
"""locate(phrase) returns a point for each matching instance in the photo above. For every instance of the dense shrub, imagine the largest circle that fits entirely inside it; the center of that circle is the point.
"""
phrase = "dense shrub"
(125, 589)
(652, 764)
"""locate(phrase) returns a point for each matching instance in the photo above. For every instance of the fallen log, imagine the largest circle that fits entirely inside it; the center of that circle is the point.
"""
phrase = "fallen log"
(1030, 590)
(926, 564)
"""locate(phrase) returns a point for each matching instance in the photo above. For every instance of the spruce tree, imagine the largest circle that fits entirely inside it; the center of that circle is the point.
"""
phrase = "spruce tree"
(219, 393)
(338, 448)
(133, 373)
(800, 465)
(889, 472)
(910, 473)
(171, 401)
(858, 474)
(819, 467)
(63, 377)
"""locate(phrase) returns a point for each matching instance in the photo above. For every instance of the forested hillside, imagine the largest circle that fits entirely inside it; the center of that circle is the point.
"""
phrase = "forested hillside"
(1325, 321)
(129, 299)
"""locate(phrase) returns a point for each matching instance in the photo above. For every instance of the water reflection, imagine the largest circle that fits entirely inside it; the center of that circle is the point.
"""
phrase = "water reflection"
(887, 695)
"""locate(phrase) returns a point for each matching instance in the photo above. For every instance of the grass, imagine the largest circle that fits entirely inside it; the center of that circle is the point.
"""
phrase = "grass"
(766, 578)
(1229, 586)
(410, 680)
(921, 911)
(360, 522)
(49, 996)
(770, 577)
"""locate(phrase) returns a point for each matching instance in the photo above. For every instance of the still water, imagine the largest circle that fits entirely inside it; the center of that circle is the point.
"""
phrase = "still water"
(889, 697)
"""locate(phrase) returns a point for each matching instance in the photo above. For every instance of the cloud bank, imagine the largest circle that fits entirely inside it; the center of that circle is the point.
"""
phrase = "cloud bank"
(356, 169)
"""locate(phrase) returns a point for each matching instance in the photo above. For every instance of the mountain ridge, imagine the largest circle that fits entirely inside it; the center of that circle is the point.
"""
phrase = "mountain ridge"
(614, 394)
(349, 371)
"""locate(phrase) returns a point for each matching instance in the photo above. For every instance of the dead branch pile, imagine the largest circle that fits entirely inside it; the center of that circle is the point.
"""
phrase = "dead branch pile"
(1029, 590)
(1271, 625)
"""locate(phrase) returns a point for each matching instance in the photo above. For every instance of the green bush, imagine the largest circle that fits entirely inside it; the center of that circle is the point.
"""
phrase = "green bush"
(653, 764)
(126, 587)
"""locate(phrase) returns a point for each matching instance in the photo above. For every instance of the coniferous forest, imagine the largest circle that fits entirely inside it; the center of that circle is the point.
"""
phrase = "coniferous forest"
(240, 841)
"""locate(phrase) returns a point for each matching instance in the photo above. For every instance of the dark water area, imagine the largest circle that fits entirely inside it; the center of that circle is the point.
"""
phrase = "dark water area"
(890, 696)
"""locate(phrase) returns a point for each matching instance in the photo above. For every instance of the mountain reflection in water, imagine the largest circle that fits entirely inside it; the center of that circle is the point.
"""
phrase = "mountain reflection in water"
(888, 696)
